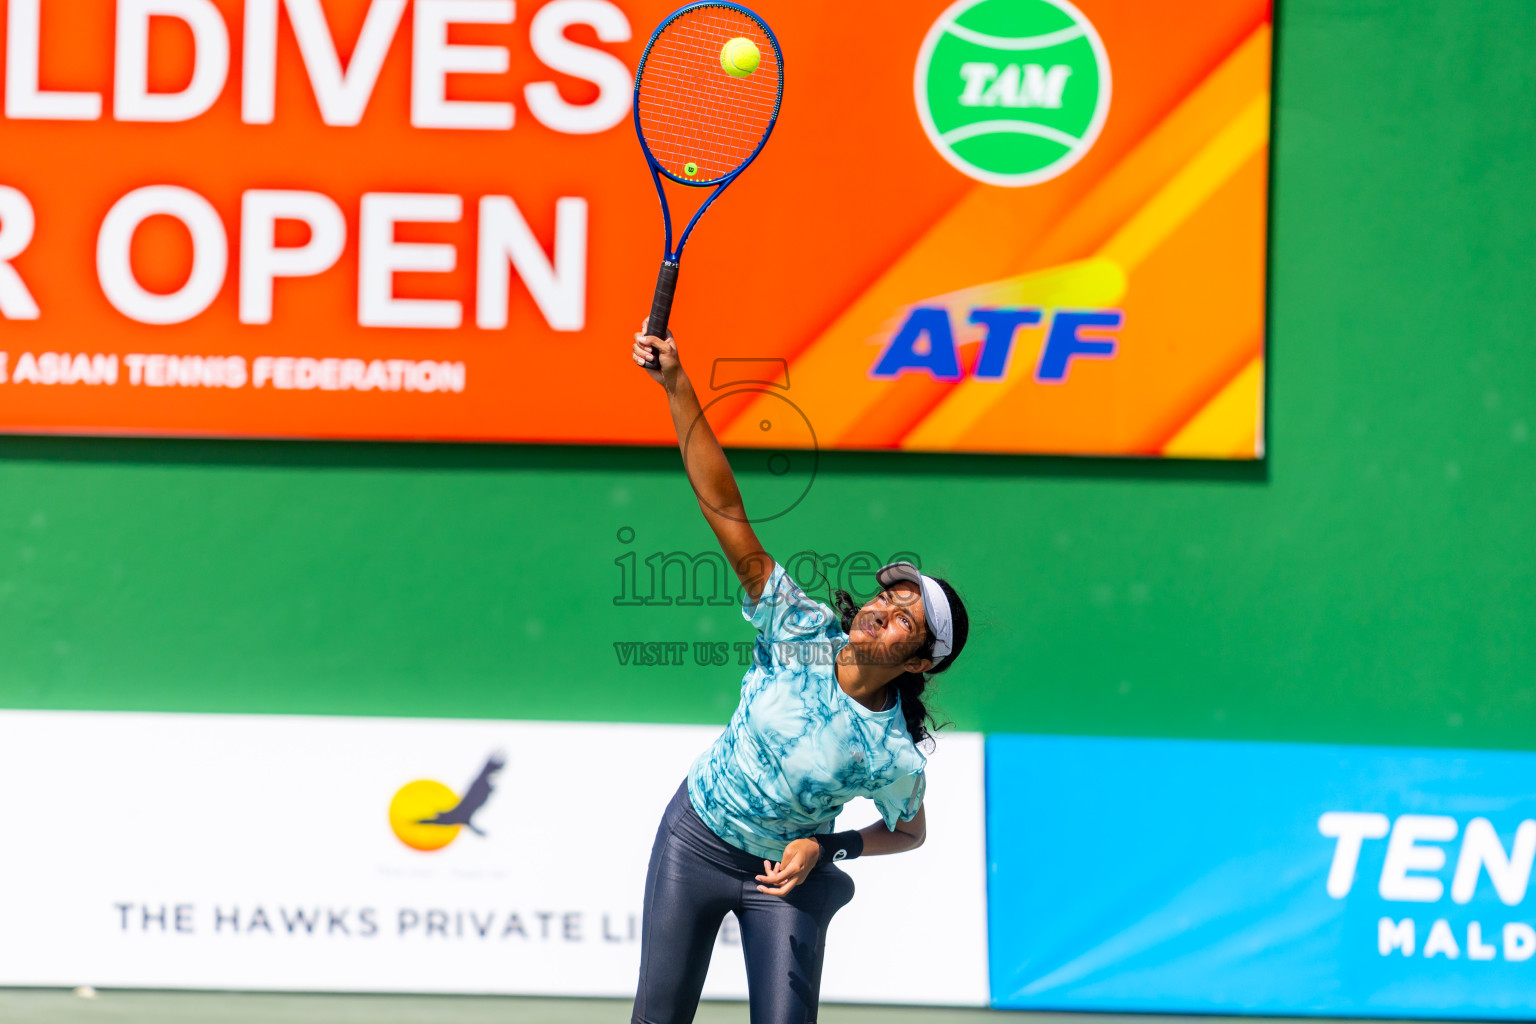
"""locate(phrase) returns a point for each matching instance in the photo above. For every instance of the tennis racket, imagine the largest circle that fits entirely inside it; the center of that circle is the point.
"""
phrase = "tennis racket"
(699, 124)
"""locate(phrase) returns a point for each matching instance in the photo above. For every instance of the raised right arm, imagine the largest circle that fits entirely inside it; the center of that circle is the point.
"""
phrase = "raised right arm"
(709, 472)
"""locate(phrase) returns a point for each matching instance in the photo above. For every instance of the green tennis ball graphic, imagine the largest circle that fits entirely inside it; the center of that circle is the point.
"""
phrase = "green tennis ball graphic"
(1012, 92)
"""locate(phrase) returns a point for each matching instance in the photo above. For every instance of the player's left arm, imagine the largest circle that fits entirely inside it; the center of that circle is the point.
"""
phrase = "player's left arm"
(907, 835)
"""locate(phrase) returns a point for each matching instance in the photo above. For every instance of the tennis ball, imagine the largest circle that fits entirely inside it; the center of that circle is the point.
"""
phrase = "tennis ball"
(739, 57)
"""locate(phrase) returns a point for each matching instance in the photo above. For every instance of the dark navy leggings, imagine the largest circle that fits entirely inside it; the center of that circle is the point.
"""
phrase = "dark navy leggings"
(695, 878)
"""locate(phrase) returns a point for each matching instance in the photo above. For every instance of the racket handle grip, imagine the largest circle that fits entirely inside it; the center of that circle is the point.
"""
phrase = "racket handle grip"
(661, 305)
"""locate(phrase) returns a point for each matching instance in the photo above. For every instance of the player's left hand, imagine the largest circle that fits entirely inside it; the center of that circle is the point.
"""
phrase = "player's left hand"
(800, 857)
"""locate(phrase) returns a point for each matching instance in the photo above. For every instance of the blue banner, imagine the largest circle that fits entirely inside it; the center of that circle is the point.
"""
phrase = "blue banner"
(1205, 877)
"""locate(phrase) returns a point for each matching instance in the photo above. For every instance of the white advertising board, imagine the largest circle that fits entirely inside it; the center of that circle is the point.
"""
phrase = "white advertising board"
(259, 852)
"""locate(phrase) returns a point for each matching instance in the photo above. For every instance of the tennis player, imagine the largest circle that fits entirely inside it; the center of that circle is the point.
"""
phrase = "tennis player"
(831, 709)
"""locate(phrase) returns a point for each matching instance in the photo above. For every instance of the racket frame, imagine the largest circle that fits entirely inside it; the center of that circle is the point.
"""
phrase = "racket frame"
(666, 281)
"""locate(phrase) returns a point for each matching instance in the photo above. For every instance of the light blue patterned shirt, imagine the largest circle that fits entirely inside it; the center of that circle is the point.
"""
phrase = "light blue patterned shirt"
(798, 748)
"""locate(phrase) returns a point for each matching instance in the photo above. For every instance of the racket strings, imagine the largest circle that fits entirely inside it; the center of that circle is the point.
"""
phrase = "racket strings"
(691, 60)
(700, 110)
(693, 114)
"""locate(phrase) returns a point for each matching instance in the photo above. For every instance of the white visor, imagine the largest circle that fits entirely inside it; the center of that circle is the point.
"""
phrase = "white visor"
(935, 604)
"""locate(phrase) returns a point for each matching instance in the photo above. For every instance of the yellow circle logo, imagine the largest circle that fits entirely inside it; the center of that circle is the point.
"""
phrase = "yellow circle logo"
(411, 811)
(426, 815)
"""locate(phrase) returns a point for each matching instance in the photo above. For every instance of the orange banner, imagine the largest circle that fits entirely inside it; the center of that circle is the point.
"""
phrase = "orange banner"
(992, 225)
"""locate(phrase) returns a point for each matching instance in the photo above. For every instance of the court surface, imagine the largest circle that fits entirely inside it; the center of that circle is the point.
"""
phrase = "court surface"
(51, 1006)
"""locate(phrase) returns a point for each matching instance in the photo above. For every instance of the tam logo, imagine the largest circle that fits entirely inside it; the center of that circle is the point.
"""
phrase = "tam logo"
(926, 342)
(1015, 85)
(1012, 92)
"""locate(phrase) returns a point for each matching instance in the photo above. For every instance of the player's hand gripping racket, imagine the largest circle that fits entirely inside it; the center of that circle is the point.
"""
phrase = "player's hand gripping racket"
(706, 98)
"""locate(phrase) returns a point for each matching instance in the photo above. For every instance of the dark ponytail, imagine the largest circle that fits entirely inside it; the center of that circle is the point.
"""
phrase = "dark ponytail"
(910, 685)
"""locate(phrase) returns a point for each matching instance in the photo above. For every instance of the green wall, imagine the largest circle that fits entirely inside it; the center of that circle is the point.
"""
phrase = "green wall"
(1373, 581)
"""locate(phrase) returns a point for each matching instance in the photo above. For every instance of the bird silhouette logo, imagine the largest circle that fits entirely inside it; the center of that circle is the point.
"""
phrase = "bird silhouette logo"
(426, 815)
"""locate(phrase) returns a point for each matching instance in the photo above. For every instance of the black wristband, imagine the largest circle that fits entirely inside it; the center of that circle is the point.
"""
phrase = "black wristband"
(837, 846)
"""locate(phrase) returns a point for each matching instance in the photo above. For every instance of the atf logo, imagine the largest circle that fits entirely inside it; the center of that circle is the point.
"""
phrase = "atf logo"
(426, 815)
(1012, 92)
